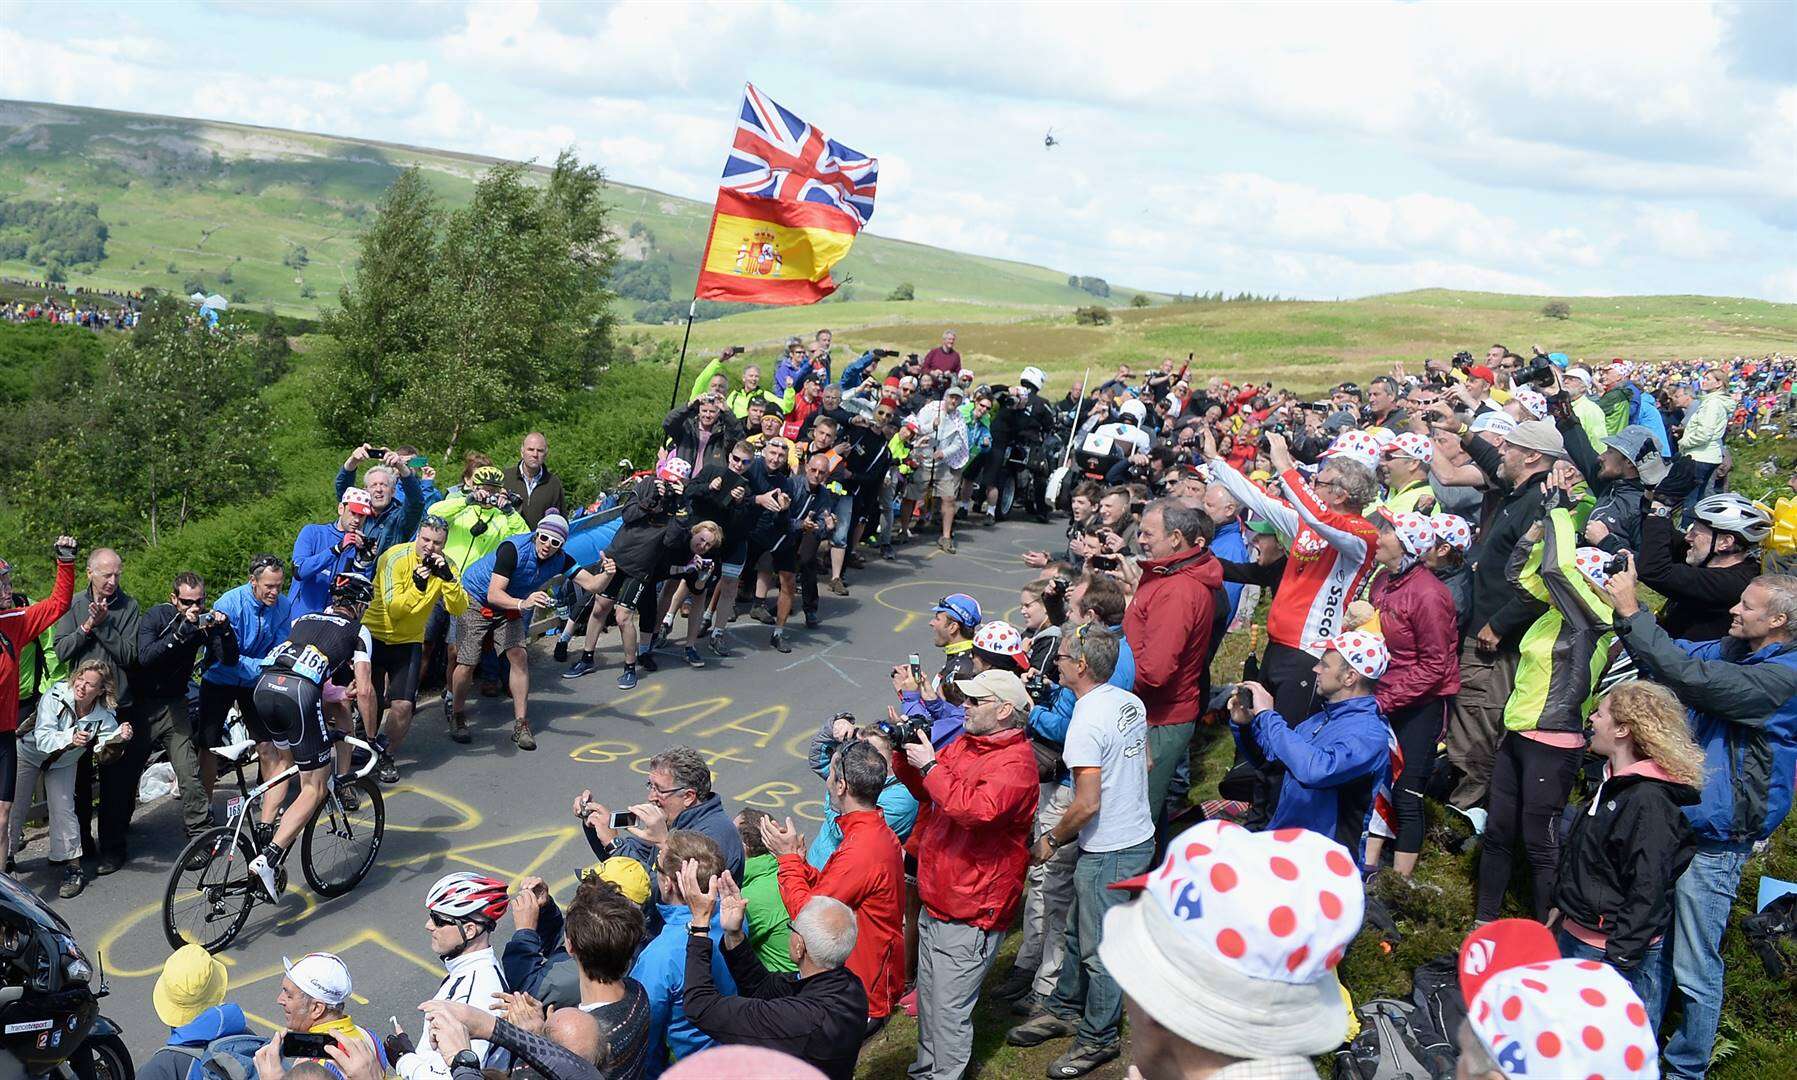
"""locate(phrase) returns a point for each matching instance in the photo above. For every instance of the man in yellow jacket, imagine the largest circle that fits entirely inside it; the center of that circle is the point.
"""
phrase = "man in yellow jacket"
(409, 581)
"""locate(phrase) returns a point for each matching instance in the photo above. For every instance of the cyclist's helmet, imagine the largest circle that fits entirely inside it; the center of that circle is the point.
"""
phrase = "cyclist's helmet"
(465, 896)
(1731, 513)
(1033, 377)
(352, 589)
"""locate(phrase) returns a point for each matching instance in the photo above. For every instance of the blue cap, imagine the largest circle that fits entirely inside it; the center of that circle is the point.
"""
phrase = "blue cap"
(1558, 359)
(960, 607)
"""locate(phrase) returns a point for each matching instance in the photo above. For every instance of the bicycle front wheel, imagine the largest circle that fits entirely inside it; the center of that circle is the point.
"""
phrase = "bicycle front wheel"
(211, 890)
(339, 845)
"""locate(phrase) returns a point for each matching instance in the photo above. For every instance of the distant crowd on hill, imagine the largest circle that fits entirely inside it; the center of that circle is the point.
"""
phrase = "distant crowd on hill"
(78, 307)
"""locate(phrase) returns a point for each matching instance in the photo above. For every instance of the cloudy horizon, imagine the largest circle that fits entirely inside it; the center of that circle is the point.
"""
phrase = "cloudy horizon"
(1310, 151)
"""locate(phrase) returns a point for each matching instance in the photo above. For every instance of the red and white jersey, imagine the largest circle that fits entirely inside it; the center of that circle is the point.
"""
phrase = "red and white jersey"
(1330, 555)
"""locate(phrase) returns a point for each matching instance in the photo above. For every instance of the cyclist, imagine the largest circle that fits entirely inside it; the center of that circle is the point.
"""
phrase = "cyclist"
(460, 913)
(1704, 572)
(323, 648)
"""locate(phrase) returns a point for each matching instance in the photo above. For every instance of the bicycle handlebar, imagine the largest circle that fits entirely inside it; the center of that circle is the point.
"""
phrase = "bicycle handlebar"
(374, 757)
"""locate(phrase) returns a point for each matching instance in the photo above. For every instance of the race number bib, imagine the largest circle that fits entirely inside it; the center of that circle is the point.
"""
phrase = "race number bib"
(312, 664)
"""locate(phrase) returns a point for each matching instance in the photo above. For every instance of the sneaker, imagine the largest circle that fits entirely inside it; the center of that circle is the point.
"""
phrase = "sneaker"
(717, 643)
(387, 770)
(693, 659)
(646, 661)
(780, 642)
(909, 1002)
(264, 869)
(990, 518)
(1038, 1030)
(1030, 1004)
(947, 544)
(578, 668)
(561, 649)
(73, 881)
(887, 553)
(762, 614)
(521, 736)
(627, 678)
(458, 729)
(1081, 1059)
(837, 587)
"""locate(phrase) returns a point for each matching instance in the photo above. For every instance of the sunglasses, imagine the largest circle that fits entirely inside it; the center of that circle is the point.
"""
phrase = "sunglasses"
(195, 602)
(552, 541)
(266, 562)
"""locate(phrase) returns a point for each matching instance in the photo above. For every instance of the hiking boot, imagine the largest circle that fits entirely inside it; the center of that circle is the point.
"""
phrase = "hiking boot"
(693, 659)
(947, 544)
(761, 614)
(1029, 1005)
(521, 736)
(1081, 1059)
(627, 678)
(1039, 1029)
(580, 667)
(837, 587)
(387, 771)
(458, 729)
(73, 881)
(779, 642)
(561, 649)
(646, 661)
(717, 643)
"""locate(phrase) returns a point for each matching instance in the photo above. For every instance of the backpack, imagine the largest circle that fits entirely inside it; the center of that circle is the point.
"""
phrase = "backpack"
(1772, 927)
(1394, 1043)
(1435, 987)
(228, 1057)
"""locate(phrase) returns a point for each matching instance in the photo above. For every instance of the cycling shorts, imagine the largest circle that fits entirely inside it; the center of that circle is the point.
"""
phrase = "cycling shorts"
(291, 708)
(626, 591)
(396, 670)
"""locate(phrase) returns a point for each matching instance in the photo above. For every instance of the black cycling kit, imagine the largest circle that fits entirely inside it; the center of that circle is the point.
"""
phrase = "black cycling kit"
(289, 695)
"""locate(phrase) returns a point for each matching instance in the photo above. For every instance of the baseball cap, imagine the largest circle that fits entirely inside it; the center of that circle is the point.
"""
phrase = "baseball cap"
(1540, 1015)
(1591, 561)
(1622, 367)
(1355, 445)
(1414, 530)
(1493, 420)
(1637, 444)
(960, 607)
(321, 976)
(358, 501)
(488, 476)
(1411, 445)
(553, 524)
(995, 684)
(627, 874)
(1539, 436)
(1532, 402)
(954, 391)
(1480, 371)
(1452, 529)
(1233, 941)
(674, 468)
(1578, 373)
(1003, 639)
(1364, 652)
(192, 981)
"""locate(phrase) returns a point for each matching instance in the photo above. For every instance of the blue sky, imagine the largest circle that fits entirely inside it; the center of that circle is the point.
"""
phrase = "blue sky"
(1308, 150)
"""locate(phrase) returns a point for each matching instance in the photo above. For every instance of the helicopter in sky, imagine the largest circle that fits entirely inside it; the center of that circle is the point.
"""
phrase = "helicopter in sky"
(1049, 142)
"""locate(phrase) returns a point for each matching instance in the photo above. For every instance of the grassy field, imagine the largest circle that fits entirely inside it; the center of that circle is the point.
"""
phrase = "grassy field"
(209, 198)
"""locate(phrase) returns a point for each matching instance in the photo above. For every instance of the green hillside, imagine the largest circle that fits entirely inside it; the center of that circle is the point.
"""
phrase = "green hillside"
(229, 206)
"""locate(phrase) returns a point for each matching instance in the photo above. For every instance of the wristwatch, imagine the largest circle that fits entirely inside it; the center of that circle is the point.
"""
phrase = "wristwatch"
(697, 930)
(467, 1059)
(1053, 840)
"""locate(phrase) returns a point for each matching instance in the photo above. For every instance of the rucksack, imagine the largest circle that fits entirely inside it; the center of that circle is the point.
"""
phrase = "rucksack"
(228, 1057)
(1774, 926)
(1435, 987)
(1395, 1043)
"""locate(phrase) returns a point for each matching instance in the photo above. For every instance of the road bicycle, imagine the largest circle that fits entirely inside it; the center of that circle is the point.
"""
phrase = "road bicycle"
(212, 888)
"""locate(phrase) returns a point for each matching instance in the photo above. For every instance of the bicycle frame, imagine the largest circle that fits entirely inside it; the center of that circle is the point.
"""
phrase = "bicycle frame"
(251, 797)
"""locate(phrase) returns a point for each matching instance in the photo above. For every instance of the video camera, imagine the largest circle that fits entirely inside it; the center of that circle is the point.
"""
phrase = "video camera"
(1463, 359)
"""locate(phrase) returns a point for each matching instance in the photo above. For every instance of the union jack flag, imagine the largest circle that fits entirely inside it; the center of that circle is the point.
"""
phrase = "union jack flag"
(776, 155)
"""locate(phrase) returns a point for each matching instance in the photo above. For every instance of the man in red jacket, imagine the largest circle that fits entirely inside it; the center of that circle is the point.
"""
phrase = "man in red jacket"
(18, 628)
(866, 872)
(976, 802)
(1172, 630)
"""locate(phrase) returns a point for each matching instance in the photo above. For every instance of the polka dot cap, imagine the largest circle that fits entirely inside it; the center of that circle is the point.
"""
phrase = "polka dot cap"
(1568, 1017)
(1590, 562)
(1002, 638)
(1413, 446)
(1355, 445)
(1414, 531)
(1364, 652)
(1280, 905)
(1452, 529)
(1532, 402)
(675, 469)
(1382, 437)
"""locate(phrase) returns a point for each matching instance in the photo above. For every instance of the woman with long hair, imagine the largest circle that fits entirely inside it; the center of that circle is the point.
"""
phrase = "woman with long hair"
(1630, 843)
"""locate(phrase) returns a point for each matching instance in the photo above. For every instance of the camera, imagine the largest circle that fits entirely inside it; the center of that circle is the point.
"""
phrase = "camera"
(883, 354)
(378, 452)
(1617, 563)
(1540, 372)
(909, 729)
(1243, 697)
(1463, 359)
(1041, 688)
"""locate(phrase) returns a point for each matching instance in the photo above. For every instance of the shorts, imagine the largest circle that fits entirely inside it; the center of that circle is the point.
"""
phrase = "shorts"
(396, 670)
(9, 765)
(947, 482)
(735, 559)
(626, 591)
(292, 710)
(472, 629)
(216, 700)
(785, 558)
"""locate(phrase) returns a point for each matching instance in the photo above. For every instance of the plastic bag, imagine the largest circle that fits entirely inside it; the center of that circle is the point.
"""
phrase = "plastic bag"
(157, 782)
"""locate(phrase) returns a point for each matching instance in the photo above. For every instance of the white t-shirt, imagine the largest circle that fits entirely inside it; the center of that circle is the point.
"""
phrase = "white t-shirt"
(1109, 731)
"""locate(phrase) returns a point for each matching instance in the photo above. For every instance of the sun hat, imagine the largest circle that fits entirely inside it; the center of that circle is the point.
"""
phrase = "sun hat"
(321, 976)
(1413, 446)
(1414, 530)
(1637, 444)
(1531, 401)
(1539, 436)
(627, 874)
(1003, 639)
(488, 476)
(1364, 652)
(1453, 530)
(1233, 941)
(192, 981)
(358, 501)
(1493, 420)
(994, 683)
(1537, 1014)
(960, 607)
(553, 524)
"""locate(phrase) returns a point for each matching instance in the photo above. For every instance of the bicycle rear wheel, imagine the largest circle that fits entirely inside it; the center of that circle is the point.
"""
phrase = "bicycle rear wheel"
(339, 846)
(210, 891)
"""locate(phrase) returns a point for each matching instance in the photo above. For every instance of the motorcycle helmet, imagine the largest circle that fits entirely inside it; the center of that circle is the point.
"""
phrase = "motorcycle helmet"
(1133, 409)
(1731, 513)
(1033, 378)
(465, 896)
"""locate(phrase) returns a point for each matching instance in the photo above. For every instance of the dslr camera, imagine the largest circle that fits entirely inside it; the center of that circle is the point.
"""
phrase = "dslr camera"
(1540, 372)
(1041, 688)
(909, 729)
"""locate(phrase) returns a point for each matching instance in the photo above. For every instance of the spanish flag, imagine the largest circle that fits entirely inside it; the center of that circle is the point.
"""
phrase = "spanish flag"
(789, 207)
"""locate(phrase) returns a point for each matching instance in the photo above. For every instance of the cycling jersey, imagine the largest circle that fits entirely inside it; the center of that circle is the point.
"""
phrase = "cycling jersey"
(321, 646)
(473, 978)
(1330, 561)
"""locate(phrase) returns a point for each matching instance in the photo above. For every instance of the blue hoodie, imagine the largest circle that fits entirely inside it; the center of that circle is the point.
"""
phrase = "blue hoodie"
(661, 968)
(214, 1023)
(1334, 762)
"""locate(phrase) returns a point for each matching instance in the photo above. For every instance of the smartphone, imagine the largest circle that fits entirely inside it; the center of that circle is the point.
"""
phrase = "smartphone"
(305, 1044)
(916, 666)
(418, 461)
(622, 819)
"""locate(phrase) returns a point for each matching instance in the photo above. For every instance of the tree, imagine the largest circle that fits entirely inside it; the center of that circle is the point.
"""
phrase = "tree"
(902, 291)
(1138, 300)
(172, 427)
(1556, 309)
(1095, 315)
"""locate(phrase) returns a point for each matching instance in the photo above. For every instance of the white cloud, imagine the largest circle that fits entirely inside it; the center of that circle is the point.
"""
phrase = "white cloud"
(1682, 234)
(1780, 285)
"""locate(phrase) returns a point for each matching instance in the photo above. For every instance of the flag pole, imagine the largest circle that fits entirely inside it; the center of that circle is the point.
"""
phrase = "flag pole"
(680, 369)
(1067, 455)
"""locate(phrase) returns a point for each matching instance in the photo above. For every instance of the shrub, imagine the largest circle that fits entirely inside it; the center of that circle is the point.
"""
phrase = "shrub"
(902, 291)
(1138, 300)
(1094, 315)
(1556, 309)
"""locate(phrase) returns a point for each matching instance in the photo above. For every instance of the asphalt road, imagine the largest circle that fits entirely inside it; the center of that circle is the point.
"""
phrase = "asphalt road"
(494, 808)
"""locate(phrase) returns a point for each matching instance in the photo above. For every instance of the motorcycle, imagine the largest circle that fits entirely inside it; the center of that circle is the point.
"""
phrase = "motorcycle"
(50, 1021)
(1026, 473)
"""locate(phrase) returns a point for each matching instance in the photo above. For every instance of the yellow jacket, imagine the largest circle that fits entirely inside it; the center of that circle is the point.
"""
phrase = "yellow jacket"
(400, 609)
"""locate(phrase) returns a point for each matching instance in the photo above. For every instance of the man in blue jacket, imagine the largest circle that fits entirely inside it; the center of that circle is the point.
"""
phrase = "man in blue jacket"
(1742, 695)
(259, 615)
(323, 551)
(1337, 758)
